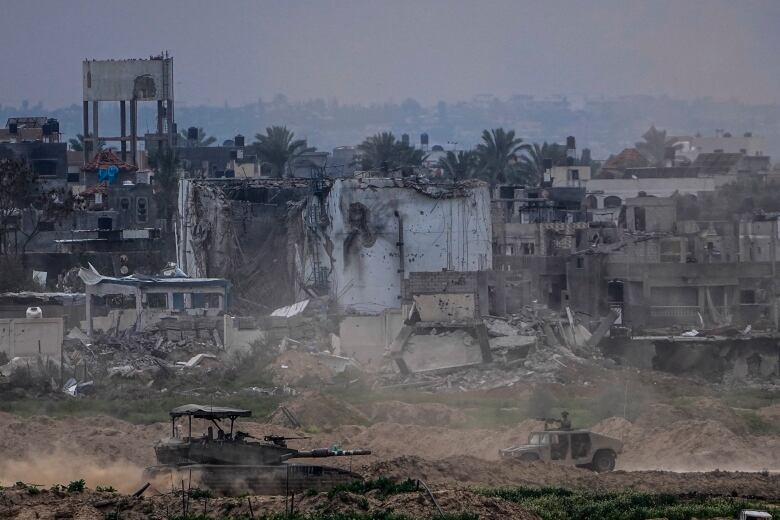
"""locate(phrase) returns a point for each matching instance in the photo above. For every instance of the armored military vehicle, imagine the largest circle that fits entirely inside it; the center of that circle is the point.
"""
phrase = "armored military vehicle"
(581, 448)
(227, 461)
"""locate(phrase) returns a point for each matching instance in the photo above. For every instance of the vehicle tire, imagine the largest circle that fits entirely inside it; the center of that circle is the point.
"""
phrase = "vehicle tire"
(603, 461)
(528, 457)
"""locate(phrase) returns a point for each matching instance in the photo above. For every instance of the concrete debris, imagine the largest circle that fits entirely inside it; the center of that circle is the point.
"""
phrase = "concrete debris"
(290, 310)
(79, 335)
(147, 350)
(512, 342)
(535, 346)
(269, 392)
(336, 363)
(33, 366)
(198, 360)
(497, 328)
(543, 364)
(76, 389)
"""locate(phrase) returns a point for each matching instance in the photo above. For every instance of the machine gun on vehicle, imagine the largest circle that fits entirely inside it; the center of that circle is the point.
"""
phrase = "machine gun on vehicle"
(564, 423)
(281, 440)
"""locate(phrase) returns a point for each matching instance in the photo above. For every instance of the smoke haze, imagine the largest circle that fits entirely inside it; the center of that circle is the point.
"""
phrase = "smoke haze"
(362, 52)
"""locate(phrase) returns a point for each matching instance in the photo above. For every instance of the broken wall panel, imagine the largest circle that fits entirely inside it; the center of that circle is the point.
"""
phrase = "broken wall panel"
(446, 307)
(367, 338)
(380, 230)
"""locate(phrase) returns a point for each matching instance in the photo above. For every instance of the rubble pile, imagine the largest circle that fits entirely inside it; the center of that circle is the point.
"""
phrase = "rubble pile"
(512, 337)
(536, 345)
(143, 356)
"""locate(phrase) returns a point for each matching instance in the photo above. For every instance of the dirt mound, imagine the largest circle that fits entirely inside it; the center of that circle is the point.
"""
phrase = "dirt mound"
(434, 442)
(317, 411)
(423, 414)
(691, 445)
(48, 451)
(771, 413)
(701, 408)
(618, 428)
(658, 414)
(471, 471)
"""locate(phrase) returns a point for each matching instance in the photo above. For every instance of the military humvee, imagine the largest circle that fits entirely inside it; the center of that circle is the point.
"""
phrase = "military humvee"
(580, 448)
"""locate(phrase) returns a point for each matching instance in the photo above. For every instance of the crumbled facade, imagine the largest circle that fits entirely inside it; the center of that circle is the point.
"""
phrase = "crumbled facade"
(356, 240)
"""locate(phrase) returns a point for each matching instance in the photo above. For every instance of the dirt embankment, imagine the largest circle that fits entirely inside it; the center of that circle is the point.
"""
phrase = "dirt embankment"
(705, 437)
(472, 471)
(101, 450)
(105, 451)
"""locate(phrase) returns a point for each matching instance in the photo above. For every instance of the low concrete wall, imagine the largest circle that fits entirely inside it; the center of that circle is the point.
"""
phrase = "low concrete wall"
(236, 338)
(117, 320)
(31, 337)
(365, 338)
(446, 307)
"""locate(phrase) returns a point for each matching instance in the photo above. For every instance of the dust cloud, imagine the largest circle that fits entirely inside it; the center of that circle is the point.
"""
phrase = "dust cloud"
(61, 467)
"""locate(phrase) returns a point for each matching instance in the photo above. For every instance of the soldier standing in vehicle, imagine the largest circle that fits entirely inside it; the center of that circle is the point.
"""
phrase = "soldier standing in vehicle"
(565, 421)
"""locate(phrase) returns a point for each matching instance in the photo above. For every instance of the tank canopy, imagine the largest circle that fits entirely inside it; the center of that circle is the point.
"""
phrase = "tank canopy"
(208, 412)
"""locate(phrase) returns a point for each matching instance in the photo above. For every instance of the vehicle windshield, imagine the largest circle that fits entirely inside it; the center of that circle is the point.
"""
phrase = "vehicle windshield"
(539, 438)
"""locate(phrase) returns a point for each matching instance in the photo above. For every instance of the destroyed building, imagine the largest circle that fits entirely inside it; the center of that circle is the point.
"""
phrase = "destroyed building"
(664, 271)
(369, 245)
(140, 302)
(378, 231)
(356, 240)
(534, 229)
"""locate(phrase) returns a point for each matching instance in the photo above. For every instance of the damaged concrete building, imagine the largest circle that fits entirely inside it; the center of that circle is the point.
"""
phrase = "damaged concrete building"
(366, 243)
(693, 295)
(354, 239)
(139, 302)
(534, 230)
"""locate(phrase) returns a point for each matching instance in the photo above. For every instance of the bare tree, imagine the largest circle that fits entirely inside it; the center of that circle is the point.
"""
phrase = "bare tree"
(17, 182)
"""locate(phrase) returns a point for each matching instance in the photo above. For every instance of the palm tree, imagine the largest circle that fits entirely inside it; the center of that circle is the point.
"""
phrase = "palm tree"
(460, 165)
(384, 152)
(530, 169)
(654, 146)
(77, 144)
(279, 149)
(202, 140)
(497, 153)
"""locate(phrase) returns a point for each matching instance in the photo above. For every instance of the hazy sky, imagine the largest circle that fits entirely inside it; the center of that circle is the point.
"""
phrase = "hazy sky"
(364, 51)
